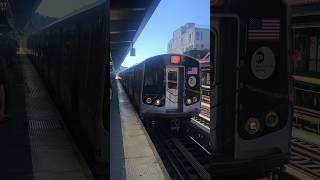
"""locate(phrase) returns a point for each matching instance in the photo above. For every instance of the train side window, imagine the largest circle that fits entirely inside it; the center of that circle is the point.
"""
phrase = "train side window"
(172, 80)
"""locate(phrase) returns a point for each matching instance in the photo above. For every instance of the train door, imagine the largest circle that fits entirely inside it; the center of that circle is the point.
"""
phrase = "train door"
(172, 88)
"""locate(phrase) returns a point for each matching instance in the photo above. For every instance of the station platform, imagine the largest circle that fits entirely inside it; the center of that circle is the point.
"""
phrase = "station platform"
(140, 158)
(35, 144)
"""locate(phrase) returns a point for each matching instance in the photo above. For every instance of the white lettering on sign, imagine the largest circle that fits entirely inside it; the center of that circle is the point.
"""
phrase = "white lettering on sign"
(263, 63)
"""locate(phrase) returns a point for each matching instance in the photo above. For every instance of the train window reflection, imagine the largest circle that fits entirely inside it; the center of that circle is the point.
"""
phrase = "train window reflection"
(172, 80)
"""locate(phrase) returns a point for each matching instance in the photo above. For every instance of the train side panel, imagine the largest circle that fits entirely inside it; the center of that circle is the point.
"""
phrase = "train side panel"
(70, 56)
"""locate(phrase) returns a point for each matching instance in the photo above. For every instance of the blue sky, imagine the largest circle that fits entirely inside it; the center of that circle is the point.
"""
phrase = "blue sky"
(169, 16)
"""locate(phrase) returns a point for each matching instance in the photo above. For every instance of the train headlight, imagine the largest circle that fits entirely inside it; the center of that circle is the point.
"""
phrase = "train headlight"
(149, 100)
(157, 102)
(189, 101)
(252, 126)
(194, 99)
(272, 119)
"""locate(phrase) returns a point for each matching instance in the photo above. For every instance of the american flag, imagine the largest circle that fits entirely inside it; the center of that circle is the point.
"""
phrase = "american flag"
(192, 70)
(264, 29)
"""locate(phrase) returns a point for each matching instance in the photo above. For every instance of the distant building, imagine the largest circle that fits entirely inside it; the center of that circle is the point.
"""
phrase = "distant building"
(189, 37)
(198, 54)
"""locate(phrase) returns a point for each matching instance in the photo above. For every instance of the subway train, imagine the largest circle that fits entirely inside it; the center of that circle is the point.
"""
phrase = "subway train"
(70, 56)
(164, 86)
(251, 108)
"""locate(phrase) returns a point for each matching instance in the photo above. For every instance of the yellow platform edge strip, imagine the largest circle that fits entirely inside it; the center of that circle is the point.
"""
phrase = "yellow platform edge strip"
(311, 80)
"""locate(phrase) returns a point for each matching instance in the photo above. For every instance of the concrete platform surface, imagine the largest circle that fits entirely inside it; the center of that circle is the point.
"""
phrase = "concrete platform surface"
(141, 158)
(35, 144)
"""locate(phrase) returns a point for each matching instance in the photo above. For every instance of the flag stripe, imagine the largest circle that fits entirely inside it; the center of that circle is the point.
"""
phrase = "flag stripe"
(270, 20)
(272, 28)
(193, 70)
(272, 35)
(264, 37)
(264, 29)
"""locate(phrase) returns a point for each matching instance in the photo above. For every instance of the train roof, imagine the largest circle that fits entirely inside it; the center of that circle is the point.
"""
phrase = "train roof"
(89, 8)
(172, 54)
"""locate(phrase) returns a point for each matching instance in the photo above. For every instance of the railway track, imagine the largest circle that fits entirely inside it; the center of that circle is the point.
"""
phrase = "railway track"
(305, 157)
(202, 121)
(183, 158)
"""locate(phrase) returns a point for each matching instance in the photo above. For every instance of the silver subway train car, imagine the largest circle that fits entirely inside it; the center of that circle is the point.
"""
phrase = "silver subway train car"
(164, 86)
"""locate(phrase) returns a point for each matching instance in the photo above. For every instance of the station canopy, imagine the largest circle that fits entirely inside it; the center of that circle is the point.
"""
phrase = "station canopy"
(16, 13)
(127, 20)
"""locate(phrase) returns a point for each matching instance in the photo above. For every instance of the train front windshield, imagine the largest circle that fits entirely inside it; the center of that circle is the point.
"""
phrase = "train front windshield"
(153, 82)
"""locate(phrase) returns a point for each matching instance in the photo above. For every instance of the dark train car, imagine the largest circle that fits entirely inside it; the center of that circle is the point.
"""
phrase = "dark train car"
(164, 86)
(250, 107)
(70, 55)
(306, 64)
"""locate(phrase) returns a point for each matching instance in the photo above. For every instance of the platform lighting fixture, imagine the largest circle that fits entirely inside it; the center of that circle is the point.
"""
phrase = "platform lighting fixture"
(132, 51)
